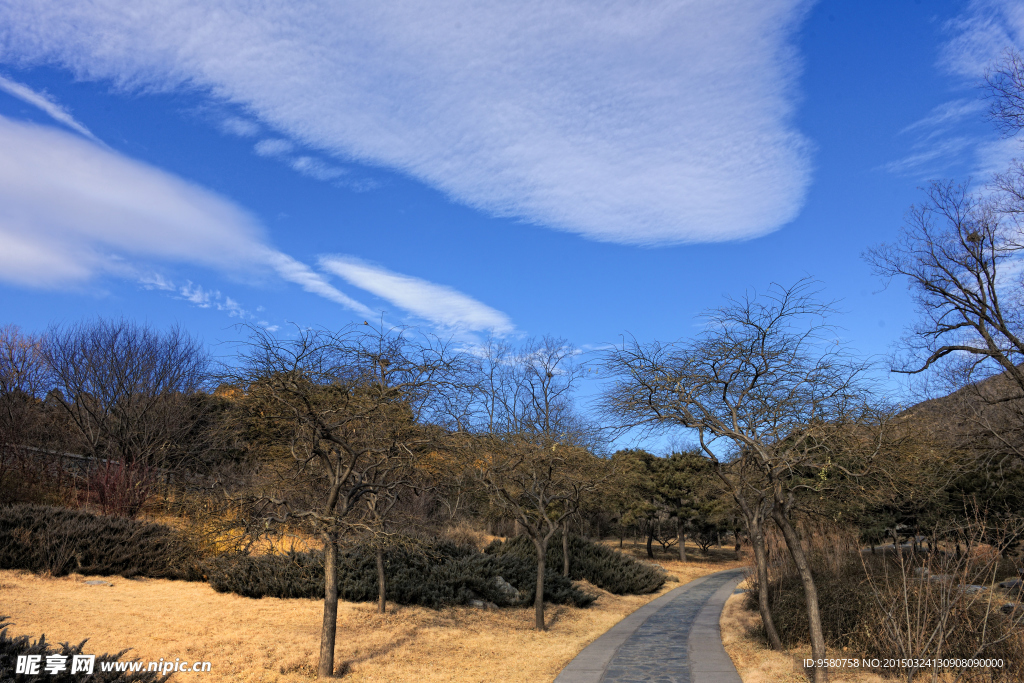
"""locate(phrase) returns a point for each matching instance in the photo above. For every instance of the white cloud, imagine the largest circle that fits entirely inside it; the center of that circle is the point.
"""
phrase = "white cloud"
(314, 168)
(243, 128)
(273, 147)
(440, 305)
(995, 156)
(45, 103)
(157, 281)
(981, 35)
(950, 138)
(640, 123)
(946, 114)
(211, 298)
(930, 157)
(308, 166)
(314, 283)
(197, 295)
(70, 209)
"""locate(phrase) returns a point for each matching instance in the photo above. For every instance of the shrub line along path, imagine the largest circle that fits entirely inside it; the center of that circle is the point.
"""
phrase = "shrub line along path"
(673, 639)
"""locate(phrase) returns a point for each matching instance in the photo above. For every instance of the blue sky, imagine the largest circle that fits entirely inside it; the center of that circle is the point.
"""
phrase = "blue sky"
(579, 169)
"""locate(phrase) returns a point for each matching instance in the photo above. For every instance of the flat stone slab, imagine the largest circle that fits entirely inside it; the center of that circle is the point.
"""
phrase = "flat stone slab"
(672, 639)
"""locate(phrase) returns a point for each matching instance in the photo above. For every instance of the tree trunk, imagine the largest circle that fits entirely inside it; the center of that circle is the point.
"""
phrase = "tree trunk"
(761, 566)
(650, 540)
(538, 603)
(681, 540)
(738, 547)
(381, 604)
(325, 668)
(796, 550)
(565, 549)
(517, 529)
(753, 519)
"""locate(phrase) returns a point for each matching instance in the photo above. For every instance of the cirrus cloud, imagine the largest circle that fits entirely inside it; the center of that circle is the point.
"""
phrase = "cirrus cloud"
(641, 123)
(441, 305)
(71, 209)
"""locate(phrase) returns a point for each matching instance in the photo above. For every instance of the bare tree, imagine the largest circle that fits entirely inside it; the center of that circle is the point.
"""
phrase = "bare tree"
(23, 418)
(351, 409)
(765, 388)
(1005, 83)
(537, 460)
(127, 391)
(23, 382)
(125, 386)
(959, 252)
(540, 484)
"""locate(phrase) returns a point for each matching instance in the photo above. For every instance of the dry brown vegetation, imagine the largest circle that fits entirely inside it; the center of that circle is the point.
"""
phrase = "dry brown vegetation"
(274, 640)
(758, 664)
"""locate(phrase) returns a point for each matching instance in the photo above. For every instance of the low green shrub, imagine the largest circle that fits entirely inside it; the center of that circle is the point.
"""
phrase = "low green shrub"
(294, 575)
(600, 565)
(59, 541)
(13, 647)
(428, 574)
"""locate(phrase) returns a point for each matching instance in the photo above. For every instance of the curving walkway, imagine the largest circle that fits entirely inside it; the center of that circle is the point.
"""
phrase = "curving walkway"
(673, 639)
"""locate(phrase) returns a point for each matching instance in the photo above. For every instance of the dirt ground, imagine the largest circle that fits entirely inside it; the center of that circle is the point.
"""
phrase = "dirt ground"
(274, 640)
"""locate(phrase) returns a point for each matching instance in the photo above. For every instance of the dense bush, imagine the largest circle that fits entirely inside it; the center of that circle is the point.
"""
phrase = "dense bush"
(600, 565)
(844, 602)
(295, 575)
(59, 541)
(432, 574)
(854, 609)
(12, 647)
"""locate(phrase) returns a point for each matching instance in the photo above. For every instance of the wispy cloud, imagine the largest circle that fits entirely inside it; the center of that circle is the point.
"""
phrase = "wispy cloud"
(952, 137)
(273, 147)
(317, 169)
(439, 304)
(931, 157)
(243, 128)
(945, 115)
(104, 199)
(45, 103)
(306, 165)
(156, 281)
(211, 298)
(981, 35)
(312, 282)
(641, 123)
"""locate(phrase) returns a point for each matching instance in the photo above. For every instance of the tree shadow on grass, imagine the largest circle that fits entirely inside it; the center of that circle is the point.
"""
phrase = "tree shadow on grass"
(372, 653)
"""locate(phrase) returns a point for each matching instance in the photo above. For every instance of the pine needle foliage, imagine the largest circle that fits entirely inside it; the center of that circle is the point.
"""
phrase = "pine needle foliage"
(11, 647)
(59, 541)
(433, 575)
(600, 565)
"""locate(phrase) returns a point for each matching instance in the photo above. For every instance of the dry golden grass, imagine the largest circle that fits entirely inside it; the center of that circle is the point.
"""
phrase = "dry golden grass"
(758, 664)
(274, 640)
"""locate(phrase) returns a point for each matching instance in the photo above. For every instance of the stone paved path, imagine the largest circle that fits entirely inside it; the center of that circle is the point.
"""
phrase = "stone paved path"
(673, 639)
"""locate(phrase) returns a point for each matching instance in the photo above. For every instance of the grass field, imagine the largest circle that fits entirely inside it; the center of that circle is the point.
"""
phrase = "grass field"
(277, 640)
